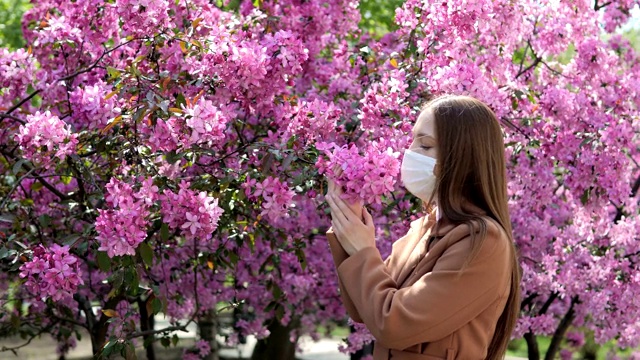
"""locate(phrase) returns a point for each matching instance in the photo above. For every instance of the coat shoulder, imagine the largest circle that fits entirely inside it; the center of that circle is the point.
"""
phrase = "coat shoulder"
(495, 239)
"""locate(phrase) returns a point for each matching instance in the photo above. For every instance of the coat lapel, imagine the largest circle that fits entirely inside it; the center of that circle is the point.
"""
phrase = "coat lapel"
(416, 254)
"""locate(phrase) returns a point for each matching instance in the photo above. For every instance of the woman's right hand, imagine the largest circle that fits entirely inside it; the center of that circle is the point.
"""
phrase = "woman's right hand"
(337, 191)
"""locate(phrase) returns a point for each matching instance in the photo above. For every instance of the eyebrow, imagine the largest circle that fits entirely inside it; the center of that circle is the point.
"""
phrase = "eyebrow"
(420, 135)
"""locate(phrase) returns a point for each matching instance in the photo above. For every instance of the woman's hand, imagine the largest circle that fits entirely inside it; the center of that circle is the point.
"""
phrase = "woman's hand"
(352, 223)
(336, 192)
(352, 233)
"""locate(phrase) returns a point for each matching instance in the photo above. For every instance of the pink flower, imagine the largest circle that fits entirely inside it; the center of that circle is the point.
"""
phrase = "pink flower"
(45, 137)
(52, 272)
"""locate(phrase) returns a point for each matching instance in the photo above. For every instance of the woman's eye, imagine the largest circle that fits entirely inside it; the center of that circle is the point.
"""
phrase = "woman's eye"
(426, 147)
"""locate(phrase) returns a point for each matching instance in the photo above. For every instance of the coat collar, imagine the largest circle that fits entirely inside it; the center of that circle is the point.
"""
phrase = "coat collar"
(444, 225)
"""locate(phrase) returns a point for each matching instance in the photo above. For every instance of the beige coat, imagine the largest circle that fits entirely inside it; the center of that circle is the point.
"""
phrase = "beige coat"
(418, 304)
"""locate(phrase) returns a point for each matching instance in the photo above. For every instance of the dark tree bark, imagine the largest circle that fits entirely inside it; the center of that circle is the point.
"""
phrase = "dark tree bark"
(533, 351)
(277, 345)
(566, 321)
(208, 325)
(147, 323)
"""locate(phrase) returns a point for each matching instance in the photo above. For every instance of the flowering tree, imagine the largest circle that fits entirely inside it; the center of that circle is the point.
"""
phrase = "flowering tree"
(167, 156)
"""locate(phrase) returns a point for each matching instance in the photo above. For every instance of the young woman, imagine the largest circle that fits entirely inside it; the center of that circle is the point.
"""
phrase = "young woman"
(450, 288)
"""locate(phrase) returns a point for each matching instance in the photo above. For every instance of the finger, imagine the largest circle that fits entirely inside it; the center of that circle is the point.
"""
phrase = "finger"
(368, 219)
(337, 229)
(336, 213)
(330, 186)
(346, 210)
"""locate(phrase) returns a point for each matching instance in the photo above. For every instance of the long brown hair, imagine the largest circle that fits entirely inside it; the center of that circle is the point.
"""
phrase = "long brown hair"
(471, 167)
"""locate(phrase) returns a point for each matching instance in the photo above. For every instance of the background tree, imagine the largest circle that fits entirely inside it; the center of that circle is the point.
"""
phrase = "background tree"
(168, 157)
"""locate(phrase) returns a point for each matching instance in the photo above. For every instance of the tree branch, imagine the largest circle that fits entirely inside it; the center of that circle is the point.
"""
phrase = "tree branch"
(548, 303)
(14, 348)
(81, 71)
(527, 301)
(561, 330)
(7, 116)
(86, 308)
(6, 198)
(21, 102)
(39, 178)
(597, 7)
(515, 127)
(533, 351)
(153, 332)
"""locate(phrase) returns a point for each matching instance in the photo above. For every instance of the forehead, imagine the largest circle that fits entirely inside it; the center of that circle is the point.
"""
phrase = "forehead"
(425, 124)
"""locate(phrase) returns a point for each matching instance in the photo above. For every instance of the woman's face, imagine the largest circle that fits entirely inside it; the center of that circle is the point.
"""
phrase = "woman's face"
(424, 135)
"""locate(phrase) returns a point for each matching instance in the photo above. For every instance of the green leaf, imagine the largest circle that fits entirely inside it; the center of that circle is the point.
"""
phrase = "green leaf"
(302, 258)
(104, 262)
(130, 352)
(36, 101)
(146, 253)
(156, 305)
(277, 292)
(585, 196)
(17, 166)
(175, 339)
(68, 240)
(108, 348)
(132, 279)
(279, 312)
(148, 341)
(26, 202)
(113, 72)
(233, 257)
(45, 220)
(66, 179)
(172, 157)
(164, 232)
(165, 342)
(36, 186)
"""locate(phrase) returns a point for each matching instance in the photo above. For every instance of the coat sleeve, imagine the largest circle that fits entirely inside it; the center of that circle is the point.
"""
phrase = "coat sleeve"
(339, 255)
(439, 303)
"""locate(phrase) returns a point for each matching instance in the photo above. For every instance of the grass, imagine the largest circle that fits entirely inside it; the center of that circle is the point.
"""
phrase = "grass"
(518, 348)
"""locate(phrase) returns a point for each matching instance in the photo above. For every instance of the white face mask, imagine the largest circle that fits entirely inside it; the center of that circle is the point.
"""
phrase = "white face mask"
(417, 174)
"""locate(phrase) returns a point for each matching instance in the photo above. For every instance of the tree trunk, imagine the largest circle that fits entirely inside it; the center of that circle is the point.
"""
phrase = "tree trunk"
(99, 329)
(277, 345)
(532, 346)
(566, 321)
(366, 350)
(208, 326)
(147, 323)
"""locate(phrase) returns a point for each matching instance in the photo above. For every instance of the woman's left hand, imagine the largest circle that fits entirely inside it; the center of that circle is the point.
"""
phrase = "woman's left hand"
(352, 233)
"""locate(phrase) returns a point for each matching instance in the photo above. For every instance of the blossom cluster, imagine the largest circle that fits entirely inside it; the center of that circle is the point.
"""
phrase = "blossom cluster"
(17, 72)
(365, 176)
(45, 137)
(200, 351)
(123, 226)
(194, 214)
(92, 106)
(52, 273)
(277, 197)
(204, 90)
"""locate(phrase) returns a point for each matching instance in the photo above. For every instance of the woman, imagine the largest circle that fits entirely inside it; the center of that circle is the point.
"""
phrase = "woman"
(450, 288)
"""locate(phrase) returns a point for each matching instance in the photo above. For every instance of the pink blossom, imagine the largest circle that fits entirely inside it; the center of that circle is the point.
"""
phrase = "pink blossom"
(45, 137)
(52, 272)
